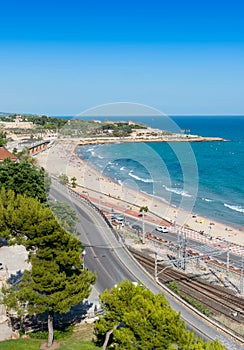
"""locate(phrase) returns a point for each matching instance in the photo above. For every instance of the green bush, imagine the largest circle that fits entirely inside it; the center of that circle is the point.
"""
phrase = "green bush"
(197, 305)
(59, 334)
(173, 286)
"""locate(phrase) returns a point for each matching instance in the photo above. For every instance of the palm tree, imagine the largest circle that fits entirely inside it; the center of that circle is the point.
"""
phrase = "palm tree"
(73, 182)
(24, 156)
(143, 210)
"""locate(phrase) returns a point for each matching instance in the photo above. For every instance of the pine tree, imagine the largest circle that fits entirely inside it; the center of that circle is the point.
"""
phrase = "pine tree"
(135, 318)
(57, 280)
(65, 214)
(24, 178)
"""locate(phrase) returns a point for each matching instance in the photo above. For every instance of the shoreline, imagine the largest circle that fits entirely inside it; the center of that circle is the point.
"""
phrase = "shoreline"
(61, 158)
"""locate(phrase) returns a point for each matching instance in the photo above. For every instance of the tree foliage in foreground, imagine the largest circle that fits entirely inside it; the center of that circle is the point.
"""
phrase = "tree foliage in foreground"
(138, 319)
(65, 214)
(63, 179)
(56, 281)
(24, 178)
(3, 139)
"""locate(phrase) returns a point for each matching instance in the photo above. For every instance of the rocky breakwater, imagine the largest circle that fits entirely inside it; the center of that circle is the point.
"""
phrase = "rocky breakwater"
(165, 138)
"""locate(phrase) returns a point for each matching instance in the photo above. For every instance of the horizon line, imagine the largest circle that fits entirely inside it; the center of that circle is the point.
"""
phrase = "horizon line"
(150, 115)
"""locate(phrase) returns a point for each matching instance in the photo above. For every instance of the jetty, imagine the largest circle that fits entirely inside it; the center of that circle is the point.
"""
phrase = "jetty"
(164, 138)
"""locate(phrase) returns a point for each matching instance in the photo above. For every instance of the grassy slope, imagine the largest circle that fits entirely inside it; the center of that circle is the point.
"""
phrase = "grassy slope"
(80, 339)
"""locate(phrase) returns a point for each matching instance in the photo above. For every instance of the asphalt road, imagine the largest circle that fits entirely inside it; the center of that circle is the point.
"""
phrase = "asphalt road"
(216, 253)
(112, 263)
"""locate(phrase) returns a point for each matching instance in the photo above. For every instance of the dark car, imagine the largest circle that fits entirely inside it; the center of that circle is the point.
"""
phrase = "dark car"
(136, 227)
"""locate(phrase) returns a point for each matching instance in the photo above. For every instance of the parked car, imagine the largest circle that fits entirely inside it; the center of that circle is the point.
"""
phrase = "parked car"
(136, 227)
(118, 218)
(163, 229)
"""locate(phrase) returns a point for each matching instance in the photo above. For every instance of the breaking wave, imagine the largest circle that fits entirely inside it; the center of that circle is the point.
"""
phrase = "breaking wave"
(235, 207)
(177, 191)
(207, 200)
(139, 178)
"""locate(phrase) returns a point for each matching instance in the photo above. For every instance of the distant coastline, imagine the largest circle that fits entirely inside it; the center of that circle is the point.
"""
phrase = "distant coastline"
(168, 138)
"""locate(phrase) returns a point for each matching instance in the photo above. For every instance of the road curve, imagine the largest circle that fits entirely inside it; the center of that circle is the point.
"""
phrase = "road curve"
(106, 255)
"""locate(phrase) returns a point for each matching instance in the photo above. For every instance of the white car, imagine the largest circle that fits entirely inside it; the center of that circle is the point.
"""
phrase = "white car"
(118, 218)
(163, 229)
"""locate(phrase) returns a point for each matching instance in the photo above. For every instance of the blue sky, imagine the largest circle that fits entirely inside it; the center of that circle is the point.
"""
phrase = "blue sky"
(182, 57)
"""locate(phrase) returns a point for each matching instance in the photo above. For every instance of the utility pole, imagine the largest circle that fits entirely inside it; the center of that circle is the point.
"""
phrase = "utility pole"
(184, 251)
(156, 266)
(179, 251)
(157, 262)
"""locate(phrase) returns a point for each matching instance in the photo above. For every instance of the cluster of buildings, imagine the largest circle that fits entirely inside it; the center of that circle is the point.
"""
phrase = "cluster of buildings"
(17, 123)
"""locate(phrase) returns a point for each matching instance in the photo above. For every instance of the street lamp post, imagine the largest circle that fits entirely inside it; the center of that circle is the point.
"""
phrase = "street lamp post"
(143, 228)
(143, 210)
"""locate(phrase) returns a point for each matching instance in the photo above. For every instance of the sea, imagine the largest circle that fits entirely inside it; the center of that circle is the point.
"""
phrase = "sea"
(204, 177)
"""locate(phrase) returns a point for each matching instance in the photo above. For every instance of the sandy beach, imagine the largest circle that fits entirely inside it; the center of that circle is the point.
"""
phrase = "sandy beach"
(61, 158)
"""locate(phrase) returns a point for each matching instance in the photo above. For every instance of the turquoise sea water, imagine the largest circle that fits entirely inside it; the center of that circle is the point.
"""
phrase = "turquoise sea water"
(208, 175)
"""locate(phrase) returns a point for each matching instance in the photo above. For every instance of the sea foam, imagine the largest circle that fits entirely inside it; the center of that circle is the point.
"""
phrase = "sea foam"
(177, 191)
(235, 207)
(140, 179)
(207, 200)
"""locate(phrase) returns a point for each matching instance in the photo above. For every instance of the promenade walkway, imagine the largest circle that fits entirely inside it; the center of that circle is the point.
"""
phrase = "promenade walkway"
(217, 242)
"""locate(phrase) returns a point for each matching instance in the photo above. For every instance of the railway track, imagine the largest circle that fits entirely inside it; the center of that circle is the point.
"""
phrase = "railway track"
(218, 300)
